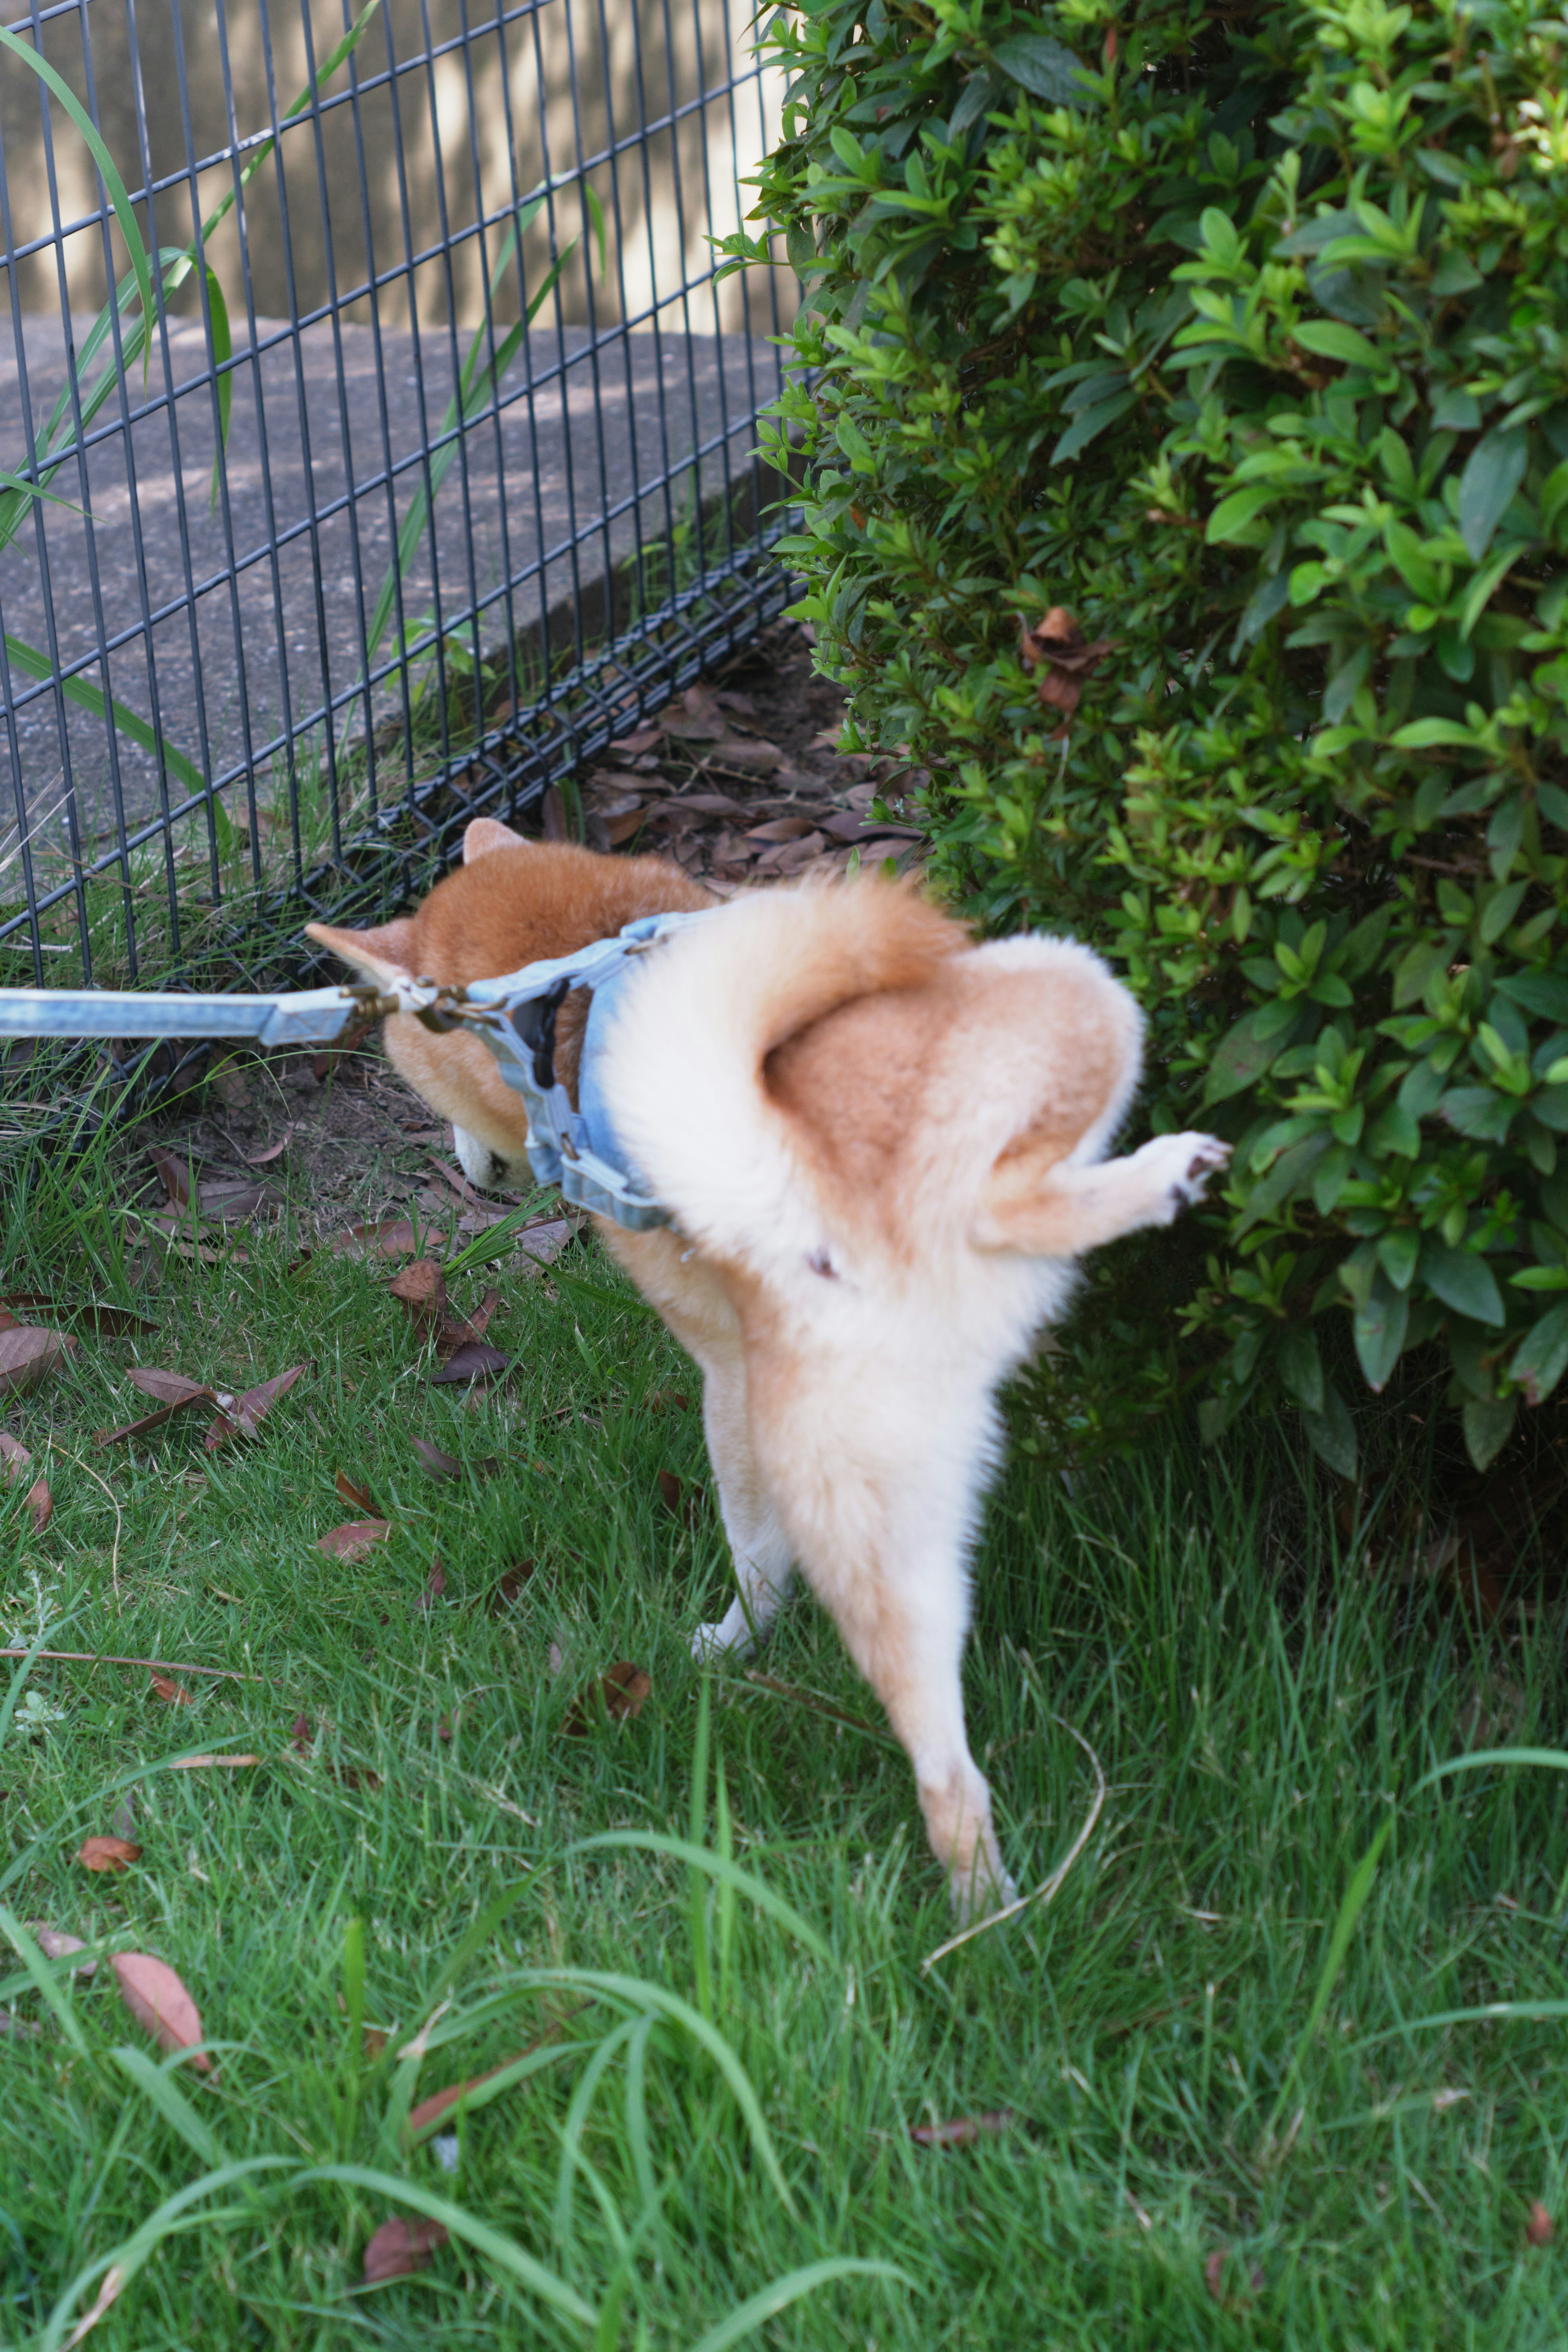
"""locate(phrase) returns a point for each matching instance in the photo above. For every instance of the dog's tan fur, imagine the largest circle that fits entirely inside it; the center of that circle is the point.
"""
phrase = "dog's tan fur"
(881, 1146)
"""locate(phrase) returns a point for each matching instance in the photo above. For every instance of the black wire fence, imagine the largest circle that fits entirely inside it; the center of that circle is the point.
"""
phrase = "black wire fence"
(375, 441)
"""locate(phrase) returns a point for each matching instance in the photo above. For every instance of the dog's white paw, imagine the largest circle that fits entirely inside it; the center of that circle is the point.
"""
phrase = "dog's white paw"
(979, 1894)
(718, 1640)
(1180, 1166)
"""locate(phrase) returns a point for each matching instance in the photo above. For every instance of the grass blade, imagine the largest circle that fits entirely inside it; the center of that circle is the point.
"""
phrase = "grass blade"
(43, 1977)
(500, 2249)
(728, 1874)
(89, 698)
(1355, 1895)
(171, 2102)
(169, 2217)
(1553, 1760)
(100, 156)
(26, 490)
(784, 2291)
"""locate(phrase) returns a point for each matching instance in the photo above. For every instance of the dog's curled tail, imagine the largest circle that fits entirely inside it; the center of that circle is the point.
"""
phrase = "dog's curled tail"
(684, 1064)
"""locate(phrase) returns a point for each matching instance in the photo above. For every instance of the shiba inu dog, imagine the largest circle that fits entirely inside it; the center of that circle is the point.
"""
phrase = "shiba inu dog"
(883, 1148)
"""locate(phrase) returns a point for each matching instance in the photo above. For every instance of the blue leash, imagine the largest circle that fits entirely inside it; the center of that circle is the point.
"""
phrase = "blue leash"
(514, 1014)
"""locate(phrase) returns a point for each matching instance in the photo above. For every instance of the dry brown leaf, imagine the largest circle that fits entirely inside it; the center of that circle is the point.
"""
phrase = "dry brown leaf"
(393, 1237)
(273, 1151)
(846, 825)
(626, 825)
(108, 1853)
(622, 1690)
(108, 1322)
(1538, 2227)
(631, 747)
(233, 1199)
(751, 753)
(113, 2280)
(354, 1539)
(474, 1360)
(669, 1488)
(56, 1945)
(402, 2246)
(435, 1589)
(160, 2003)
(667, 1400)
(356, 1495)
(782, 828)
(16, 1459)
(682, 1502)
(439, 1464)
(172, 1694)
(375, 2041)
(169, 1387)
(552, 822)
(211, 1763)
(963, 2131)
(248, 1411)
(1057, 647)
(173, 1176)
(28, 1356)
(1214, 2274)
(422, 1288)
(430, 2111)
(506, 1590)
(545, 1242)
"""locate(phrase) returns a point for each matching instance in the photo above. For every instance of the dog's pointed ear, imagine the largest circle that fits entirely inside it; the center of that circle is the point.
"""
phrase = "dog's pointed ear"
(488, 833)
(382, 955)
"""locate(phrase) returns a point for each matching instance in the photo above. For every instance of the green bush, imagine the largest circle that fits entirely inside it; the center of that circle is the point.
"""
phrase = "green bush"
(1240, 332)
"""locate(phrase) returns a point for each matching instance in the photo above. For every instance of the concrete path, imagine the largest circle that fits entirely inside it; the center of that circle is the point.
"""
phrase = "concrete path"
(552, 496)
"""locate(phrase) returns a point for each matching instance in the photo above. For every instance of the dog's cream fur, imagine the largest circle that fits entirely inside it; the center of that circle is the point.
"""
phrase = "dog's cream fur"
(883, 1148)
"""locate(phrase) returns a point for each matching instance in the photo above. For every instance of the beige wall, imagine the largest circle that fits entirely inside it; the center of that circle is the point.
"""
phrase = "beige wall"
(570, 69)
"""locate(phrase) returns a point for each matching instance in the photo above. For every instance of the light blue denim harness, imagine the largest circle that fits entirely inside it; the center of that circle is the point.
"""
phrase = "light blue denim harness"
(577, 1148)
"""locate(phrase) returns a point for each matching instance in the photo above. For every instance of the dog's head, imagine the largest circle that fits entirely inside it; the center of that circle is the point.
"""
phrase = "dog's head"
(512, 902)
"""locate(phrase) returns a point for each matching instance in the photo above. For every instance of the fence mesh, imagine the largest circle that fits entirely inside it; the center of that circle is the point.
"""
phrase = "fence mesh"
(375, 440)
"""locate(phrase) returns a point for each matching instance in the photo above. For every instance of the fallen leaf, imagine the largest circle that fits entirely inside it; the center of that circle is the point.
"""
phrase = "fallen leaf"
(17, 1460)
(375, 2041)
(631, 746)
(963, 2131)
(248, 1411)
(211, 1763)
(1214, 2274)
(431, 2110)
(148, 1421)
(169, 1387)
(444, 1727)
(553, 817)
(56, 1945)
(792, 856)
(273, 1151)
(402, 2246)
(625, 826)
(232, 1199)
(681, 1502)
(358, 1495)
(160, 2003)
(125, 1813)
(175, 1179)
(622, 1688)
(782, 828)
(555, 1659)
(108, 1322)
(114, 2278)
(750, 753)
(667, 1400)
(1057, 647)
(847, 826)
(422, 1288)
(435, 1589)
(545, 1242)
(1538, 2228)
(393, 1237)
(354, 1539)
(108, 1853)
(172, 1694)
(474, 1360)
(439, 1464)
(28, 1356)
(506, 1590)
(18, 2029)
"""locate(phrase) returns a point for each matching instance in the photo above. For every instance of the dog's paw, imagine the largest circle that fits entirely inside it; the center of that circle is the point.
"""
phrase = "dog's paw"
(978, 1893)
(1179, 1166)
(720, 1641)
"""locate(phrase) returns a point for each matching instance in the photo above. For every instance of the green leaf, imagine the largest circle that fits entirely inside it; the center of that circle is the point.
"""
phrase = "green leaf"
(1043, 67)
(1423, 734)
(1300, 1365)
(1333, 340)
(1089, 424)
(1379, 1327)
(1243, 1054)
(1489, 1423)
(1289, 1172)
(769, 2299)
(1481, 1113)
(1232, 515)
(1462, 1281)
(1493, 471)
(1542, 1357)
(1332, 1433)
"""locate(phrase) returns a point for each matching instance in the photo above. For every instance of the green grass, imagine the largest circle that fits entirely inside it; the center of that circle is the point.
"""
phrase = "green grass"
(728, 2099)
